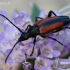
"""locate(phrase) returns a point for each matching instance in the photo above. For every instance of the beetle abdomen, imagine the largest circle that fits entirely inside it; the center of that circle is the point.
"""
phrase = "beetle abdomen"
(44, 30)
(52, 23)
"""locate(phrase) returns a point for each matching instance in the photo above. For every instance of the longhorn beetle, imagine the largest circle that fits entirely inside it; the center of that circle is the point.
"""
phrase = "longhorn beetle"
(42, 27)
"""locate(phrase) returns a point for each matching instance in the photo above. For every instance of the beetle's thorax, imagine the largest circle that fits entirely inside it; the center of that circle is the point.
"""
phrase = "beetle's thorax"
(33, 31)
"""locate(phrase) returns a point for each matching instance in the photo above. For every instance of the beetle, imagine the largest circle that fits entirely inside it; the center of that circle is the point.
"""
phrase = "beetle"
(41, 28)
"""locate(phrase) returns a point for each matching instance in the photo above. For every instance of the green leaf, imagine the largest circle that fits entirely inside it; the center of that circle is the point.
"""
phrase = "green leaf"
(35, 12)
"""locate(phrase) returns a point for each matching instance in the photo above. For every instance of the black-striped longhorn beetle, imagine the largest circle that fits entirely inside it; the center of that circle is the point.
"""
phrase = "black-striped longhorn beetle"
(42, 27)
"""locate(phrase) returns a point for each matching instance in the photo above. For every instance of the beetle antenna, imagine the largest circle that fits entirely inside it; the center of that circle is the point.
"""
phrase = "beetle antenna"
(10, 51)
(11, 22)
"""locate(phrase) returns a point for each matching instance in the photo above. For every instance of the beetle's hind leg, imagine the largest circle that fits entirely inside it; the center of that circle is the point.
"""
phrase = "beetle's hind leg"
(67, 27)
(57, 30)
(50, 13)
(53, 39)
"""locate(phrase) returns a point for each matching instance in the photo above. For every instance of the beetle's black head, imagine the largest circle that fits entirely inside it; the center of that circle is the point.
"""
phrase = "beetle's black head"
(23, 37)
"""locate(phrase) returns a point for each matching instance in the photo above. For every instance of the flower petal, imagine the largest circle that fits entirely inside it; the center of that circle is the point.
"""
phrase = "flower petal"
(56, 53)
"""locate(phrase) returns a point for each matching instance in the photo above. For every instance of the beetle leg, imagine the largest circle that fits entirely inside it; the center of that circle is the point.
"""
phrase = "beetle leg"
(27, 27)
(33, 46)
(67, 27)
(54, 40)
(57, 30)
(50, 13)
(60, 29)
(36, 18)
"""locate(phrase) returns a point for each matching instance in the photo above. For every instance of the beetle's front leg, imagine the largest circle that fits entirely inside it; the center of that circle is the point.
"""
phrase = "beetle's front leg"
(34, 42)
(36, 18)
(27, 27)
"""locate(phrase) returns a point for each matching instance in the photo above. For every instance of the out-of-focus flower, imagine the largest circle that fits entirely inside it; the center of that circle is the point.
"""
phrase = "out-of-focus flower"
(61, 64)
(26, 66)
(48, 52)
(4, 13)
(14, 33)
(42, 63)
(3, 66)
(22, 20)
(5, 44)
(42, 14)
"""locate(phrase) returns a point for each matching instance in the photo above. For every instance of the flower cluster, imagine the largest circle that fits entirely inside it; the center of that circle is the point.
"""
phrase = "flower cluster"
(47, 53)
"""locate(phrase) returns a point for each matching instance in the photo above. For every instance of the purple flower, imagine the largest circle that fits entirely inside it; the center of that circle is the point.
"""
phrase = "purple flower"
(42, 14)
(45, 49)
(14, 33)
(22, 20)
(48, 52)
(42, 63)
(5, 44)
(26, 65)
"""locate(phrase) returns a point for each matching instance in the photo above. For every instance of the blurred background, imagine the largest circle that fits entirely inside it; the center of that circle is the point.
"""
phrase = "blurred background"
(35, 6)
(11, 5)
